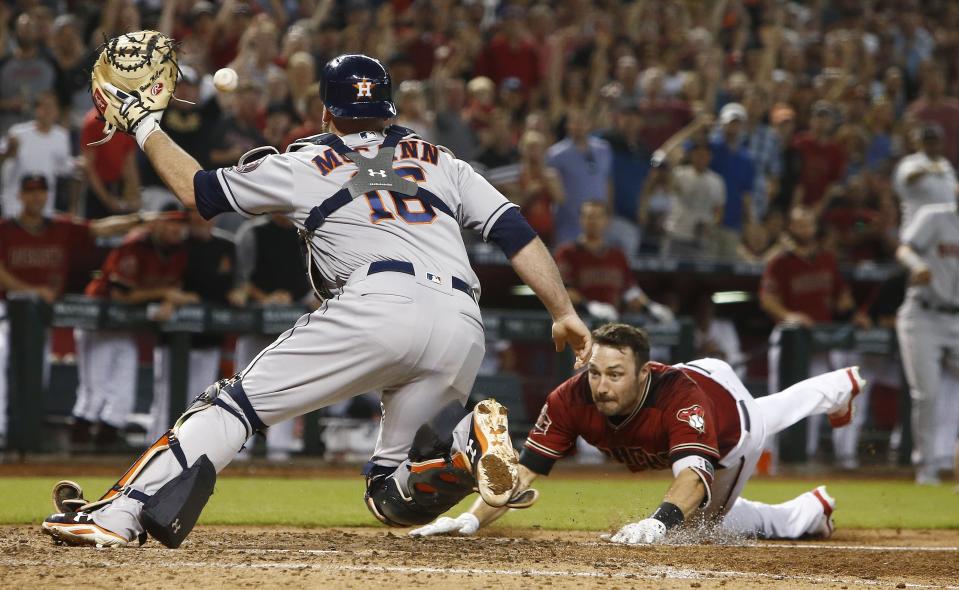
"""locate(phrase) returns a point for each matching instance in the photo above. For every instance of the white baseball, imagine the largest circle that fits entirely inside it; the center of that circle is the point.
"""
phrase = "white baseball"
(225, 79)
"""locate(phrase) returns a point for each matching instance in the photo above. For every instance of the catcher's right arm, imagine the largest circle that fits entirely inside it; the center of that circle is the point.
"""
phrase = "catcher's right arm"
(133, 81)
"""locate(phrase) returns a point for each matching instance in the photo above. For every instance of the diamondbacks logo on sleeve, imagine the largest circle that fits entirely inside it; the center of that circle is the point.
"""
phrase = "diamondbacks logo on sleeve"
(543, 422)
(695, 416)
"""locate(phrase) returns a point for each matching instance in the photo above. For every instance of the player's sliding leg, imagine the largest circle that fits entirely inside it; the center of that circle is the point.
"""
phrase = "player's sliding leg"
(807, 515)
(452, 455)
(831, 394)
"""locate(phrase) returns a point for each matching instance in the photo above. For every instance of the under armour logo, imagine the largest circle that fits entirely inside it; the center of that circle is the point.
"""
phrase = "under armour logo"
(380, 173)
(364, 88)
(175, 525)
(471, 451)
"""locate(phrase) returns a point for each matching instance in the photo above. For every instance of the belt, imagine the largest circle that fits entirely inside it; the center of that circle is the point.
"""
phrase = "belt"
(407, 269)
(940, 308)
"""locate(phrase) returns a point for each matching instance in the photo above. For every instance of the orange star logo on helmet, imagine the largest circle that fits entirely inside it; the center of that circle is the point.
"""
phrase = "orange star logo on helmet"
(364, 89)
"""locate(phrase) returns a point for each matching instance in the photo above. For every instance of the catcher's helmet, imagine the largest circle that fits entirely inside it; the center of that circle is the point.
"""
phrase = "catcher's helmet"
(357, 87)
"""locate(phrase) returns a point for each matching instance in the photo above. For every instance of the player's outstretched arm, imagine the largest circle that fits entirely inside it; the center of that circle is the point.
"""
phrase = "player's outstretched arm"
(174, 166)
(480, 514)
(683, 497)
(535, 266)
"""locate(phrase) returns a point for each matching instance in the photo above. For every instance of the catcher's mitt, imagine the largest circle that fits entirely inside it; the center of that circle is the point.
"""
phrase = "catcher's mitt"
(134, 75)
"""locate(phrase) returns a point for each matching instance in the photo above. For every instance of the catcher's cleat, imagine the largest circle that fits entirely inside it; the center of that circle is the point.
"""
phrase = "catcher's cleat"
(67, 496)
(843, 416)
(493, 458)
(824, 526)
(78, 528)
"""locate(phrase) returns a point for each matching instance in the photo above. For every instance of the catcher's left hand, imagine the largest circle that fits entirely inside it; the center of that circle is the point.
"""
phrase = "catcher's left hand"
(133, 81)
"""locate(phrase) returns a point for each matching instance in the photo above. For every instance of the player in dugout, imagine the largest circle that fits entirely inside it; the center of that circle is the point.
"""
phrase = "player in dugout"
(697, 419)
(38, 253)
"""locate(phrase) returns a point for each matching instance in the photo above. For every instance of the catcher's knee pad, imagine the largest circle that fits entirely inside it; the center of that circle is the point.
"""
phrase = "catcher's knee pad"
(214, 396)
(432, 488)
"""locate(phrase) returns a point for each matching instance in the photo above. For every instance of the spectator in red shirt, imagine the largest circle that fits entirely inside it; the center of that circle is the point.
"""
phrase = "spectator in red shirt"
(509, 54)
(802, 285)
(854, 228)
(147, 267)
(597, 276)
(38, 253)
(822, 160)
(933, 106)
(662, 116)
(113, 181)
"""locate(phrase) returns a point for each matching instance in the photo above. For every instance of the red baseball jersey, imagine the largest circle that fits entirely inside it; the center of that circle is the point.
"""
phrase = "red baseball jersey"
(682, 413)
(603, 277)
(139, 264)
(42, 258)
(808, 285)
(110, 156)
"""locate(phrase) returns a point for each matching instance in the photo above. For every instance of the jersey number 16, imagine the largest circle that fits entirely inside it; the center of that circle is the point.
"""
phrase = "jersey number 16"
(411, 209)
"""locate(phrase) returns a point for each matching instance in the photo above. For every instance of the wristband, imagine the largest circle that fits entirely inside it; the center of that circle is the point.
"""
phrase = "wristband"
(145, 128)
(669, 514)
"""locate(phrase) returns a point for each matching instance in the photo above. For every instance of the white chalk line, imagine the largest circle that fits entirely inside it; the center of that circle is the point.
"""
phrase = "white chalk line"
(773, 545)
(651, 573)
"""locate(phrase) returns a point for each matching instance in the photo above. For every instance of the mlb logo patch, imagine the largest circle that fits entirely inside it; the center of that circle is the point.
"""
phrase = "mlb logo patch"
(436, 279)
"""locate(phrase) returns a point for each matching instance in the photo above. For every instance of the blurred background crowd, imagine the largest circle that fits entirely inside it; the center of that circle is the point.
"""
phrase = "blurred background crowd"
(724, 130)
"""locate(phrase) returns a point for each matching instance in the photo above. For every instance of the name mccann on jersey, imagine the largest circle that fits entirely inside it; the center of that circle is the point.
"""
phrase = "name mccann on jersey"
(408, 149)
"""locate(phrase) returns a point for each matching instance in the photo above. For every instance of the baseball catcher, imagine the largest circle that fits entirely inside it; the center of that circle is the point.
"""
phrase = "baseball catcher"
(696, 419)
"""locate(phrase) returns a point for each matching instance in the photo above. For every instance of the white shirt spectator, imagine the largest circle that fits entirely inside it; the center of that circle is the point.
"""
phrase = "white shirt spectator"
(937, 185)
(47, 154)
(697, 197)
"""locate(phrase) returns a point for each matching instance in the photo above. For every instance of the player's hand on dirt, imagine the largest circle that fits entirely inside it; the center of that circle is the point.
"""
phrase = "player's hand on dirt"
(570, 330)
(644, 532)
(464, 524)
(922, 276)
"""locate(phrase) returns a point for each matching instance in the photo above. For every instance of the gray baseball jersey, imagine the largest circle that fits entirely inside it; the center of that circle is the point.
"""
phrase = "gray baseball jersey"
(934, 234)
(379, 225)
(927, 327)
(929, 189)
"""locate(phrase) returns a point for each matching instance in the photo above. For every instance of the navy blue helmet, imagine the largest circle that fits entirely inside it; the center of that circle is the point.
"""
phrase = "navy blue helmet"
(357, 87)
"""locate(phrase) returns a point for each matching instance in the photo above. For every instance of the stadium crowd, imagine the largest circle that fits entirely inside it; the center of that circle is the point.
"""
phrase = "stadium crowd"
(737, 130)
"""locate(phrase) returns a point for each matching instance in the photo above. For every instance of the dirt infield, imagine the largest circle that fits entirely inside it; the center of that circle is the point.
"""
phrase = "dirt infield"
(222, 557)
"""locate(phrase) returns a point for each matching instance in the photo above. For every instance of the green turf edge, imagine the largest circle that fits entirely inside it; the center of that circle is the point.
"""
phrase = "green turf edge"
(565, 504)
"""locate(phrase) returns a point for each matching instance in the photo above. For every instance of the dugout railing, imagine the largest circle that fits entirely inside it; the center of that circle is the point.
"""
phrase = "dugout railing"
(30, 318)
(798, 344)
